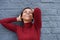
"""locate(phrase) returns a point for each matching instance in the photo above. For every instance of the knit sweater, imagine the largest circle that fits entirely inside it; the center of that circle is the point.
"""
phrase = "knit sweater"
(29, 31)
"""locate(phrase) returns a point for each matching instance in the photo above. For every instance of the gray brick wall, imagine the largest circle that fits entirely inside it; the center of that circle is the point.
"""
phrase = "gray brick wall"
(50, 17)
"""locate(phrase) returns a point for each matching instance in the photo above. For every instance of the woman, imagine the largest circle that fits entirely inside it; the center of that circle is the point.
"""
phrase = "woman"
(29, 31)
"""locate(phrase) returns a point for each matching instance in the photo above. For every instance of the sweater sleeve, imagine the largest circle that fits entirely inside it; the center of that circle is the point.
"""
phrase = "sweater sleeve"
(37, 18)
(6, 22)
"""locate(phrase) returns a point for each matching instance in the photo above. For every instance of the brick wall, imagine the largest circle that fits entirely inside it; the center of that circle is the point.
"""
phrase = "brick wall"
(50, 17)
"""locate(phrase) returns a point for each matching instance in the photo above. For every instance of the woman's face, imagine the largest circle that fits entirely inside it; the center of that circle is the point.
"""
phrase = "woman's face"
(27, 15)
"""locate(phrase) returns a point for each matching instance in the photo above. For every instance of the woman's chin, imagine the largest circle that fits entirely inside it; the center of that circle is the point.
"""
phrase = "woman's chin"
(27, 19)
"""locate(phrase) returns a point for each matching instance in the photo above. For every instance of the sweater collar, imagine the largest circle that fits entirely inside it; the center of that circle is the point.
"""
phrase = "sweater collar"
(28, 25)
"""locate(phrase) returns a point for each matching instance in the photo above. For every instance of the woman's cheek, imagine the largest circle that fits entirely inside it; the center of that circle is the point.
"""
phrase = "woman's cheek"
(24, 15)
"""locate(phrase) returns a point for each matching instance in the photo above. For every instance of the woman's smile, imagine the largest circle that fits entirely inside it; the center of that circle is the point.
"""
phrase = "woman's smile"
(27, 14)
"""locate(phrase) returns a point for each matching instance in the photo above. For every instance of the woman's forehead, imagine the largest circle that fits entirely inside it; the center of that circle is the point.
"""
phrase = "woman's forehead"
(27, 10)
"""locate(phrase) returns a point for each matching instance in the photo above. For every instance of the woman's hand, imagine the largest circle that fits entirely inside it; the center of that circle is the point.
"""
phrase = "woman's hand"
(19, 18)
(32, 10)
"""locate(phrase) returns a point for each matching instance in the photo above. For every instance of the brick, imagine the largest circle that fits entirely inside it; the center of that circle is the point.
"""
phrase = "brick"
(58, 36)
(48, 37)
(45, 30)
(53, 24)
(24, 1)
(49, 12)
(50, 18)
(10, 13)
(8, 36)
(45, 18)
(50, 1)
(49, 24)
(58, 13)
(57, 1)
(47, 1)
(3, 29)
(44, 5)
(56, 30)
(45, 25)
(58, 24)
(54, 18)
(57, 6)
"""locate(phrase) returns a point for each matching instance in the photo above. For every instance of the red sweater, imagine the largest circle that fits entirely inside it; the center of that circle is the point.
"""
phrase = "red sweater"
(30, 31)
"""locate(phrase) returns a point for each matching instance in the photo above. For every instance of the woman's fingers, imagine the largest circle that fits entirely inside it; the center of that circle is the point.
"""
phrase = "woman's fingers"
(32, 10)
(19, 18)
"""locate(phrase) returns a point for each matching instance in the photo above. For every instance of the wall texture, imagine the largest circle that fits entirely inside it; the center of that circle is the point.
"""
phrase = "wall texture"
(50, 17)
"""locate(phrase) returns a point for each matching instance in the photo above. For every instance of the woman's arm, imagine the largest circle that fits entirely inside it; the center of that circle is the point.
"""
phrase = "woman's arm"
(37, 18)
(6, 22)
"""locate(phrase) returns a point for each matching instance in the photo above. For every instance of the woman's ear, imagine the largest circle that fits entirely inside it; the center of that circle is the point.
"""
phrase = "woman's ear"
(32, 17)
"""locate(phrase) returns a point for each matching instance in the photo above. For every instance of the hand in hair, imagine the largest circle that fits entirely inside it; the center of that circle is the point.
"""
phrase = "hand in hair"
(32, 10)
(19, 18)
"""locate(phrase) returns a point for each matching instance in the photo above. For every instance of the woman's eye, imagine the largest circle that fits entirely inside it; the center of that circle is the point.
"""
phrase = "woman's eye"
(29, 12)
(25, 11)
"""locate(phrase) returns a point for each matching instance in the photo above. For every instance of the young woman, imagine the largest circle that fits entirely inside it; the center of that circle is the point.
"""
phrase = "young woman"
(29, 31)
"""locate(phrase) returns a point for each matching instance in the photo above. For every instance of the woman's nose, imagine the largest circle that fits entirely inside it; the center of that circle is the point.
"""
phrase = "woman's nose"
(28, 13)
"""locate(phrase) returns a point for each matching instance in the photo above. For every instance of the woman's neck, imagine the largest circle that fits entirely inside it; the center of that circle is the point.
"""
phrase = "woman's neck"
(27, 21)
